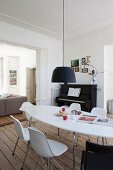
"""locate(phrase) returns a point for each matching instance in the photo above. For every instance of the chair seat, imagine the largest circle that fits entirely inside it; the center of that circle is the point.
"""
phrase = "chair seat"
(57, 147)
(26, 134)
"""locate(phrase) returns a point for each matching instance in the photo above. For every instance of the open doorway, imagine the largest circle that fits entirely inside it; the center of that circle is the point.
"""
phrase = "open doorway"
(15, 62)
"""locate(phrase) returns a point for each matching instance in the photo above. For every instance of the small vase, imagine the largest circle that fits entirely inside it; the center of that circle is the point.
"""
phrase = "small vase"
(93, 80)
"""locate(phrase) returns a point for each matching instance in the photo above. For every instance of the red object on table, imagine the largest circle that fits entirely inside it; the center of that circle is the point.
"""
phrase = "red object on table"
(63, 109)
(65, 117)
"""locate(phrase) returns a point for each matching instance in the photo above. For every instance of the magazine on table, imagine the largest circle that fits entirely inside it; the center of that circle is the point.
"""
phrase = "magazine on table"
(104, 121)
(87, 118)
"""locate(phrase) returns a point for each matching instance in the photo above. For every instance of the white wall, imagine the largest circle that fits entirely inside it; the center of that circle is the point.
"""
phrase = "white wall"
(19, 35)
(1, 75)
(90, 44)
(108, 79)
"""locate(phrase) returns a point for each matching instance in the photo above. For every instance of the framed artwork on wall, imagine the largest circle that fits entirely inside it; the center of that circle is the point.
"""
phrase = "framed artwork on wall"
(85, 70)
(13, 77)
(83, 61)
(75, 65)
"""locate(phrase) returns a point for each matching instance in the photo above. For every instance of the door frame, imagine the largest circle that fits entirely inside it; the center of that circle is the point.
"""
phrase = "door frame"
(37, 59)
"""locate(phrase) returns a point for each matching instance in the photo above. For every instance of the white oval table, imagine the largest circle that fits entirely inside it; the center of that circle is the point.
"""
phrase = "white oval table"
(48, 115)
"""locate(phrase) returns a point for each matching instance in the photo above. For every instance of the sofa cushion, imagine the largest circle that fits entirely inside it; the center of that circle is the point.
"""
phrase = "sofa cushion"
(2, 107)
(12, 104)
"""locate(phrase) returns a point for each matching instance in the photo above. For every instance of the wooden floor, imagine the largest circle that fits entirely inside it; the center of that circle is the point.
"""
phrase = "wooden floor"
(8, 138)
(6, 120)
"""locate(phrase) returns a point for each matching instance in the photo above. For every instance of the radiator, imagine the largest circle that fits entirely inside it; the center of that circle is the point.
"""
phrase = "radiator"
(55, 92)
(110, 106)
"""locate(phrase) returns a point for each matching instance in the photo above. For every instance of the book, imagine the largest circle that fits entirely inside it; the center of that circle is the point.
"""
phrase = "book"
(87, 118)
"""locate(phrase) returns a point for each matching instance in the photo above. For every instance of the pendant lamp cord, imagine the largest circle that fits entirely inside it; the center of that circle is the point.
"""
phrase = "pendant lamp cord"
(63, 32)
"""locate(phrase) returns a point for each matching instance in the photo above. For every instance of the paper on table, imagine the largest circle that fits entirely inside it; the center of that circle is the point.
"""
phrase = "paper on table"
(104, 121)
(87, 118)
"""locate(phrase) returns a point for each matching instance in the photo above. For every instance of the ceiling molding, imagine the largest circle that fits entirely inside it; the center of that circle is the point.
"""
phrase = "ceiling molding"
(26, 25)
(68, 35)
(89, 28)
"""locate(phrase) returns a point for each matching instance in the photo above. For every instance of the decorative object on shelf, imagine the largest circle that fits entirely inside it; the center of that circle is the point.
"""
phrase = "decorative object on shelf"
(93, 73)
(87, 67)
(63, 74)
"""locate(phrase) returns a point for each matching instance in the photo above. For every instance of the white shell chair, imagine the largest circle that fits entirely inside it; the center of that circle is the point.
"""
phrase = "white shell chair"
(23, 134)
(25, 107)
(99, 111)
(102, 113)
(47, 149)
(75, 106)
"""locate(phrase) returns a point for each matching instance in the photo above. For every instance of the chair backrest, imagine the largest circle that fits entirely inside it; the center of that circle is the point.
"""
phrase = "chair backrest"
(39, 143)
(93, 147)
(98, 157)
(18, 127)
(75, 106)
(99, 111)
(25, 107)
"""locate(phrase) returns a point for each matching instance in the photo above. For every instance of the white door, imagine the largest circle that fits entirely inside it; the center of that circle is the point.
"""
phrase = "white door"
(31, 84)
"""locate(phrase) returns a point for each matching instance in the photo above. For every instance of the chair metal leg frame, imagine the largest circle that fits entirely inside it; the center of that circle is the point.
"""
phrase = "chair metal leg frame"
(57, 164)
(77, 136)
(97, 140)
(60, 134)
(104, 140)
(25, 155)
(15, 146)
(74, 146)
(58, 131)
(88, 138)
(44, 162)
(37, 163)
(49, 163)
(30, 124)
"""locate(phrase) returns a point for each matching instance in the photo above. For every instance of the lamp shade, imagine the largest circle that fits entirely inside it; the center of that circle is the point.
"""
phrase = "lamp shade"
(63, 75)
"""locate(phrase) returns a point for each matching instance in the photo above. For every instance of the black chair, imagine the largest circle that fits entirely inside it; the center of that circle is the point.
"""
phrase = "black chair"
(97, 157)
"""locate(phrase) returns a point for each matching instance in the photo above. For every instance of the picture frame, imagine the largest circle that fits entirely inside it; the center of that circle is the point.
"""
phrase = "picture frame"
(88, 59)
(76, 69)
(75, 65)
(85, 70)
(13, 77)
(83, 61)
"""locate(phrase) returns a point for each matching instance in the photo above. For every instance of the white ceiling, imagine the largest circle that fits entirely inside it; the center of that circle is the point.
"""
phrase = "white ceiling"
(45, 16)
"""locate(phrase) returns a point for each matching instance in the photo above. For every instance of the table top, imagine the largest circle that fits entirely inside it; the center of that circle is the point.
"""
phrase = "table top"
(48, 115)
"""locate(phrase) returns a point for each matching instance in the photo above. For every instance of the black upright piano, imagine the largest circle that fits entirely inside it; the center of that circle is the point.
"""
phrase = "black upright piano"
(87, 98)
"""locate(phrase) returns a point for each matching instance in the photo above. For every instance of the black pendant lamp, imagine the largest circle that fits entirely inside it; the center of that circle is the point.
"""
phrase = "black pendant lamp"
(63, 74)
